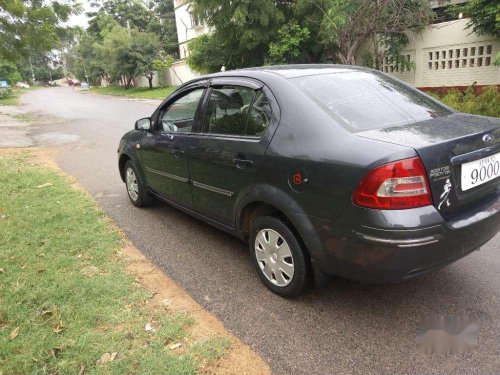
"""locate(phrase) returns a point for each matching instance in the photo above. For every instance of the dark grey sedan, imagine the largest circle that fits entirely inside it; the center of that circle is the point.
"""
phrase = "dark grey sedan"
(323, 170)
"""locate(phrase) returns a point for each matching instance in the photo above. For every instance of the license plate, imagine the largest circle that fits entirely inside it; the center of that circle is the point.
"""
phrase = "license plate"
(480, 171)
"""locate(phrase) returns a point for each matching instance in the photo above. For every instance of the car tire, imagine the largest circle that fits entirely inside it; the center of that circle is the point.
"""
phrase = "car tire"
(278, 256)
(136, 189)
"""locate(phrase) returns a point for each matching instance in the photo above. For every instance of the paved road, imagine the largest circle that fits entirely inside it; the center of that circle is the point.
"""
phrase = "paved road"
(347, 328)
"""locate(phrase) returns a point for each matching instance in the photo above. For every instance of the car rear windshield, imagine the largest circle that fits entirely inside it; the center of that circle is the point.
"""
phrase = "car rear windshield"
(367, 100)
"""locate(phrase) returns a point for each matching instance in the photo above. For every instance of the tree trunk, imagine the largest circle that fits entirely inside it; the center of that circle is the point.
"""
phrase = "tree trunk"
(150, 79)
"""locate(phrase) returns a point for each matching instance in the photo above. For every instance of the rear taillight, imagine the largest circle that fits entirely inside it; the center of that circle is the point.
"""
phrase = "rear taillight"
(397, 185)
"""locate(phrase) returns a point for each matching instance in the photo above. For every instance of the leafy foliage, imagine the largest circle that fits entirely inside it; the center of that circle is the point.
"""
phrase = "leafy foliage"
(28, 26)
(6, 94)
(125, 39)
(205, 54)
(242, 31)
(247, 33)
(9, 72)
(348, 23)
(484, 16)
(486, 104)
(289, 45)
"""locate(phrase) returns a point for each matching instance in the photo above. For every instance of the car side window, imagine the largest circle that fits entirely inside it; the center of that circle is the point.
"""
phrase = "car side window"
(227, 110)
(259, 116)
(179, 116)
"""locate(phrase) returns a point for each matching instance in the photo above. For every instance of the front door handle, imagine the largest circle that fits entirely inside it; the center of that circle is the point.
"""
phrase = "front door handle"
(242, 163)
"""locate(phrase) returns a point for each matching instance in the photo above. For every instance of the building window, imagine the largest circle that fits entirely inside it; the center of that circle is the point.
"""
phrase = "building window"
(457, 63)
(430, 55)
(487, 61)
(481, 50)
(489, 49)
(480, 61)
(464, 63)
(465, 52)
(457, 52)
(195, 20)
(471, 63)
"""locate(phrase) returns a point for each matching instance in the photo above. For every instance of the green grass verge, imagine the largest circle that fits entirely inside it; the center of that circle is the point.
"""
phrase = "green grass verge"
(142, 93)
(66, 299)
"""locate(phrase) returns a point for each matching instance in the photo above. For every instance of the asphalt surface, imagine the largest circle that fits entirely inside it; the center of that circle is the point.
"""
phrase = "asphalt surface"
(346, 328)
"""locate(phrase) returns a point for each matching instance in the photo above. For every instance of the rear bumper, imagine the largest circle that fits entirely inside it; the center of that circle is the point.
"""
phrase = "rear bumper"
(391, 246)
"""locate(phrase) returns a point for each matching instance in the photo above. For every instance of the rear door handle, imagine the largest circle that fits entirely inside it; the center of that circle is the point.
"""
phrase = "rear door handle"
(177, 152)
(242, 163)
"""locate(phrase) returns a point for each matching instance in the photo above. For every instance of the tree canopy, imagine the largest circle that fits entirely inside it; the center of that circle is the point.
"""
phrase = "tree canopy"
(251, 33)
(125, 39)
(28, 26)
(484, 16)
(242, 31)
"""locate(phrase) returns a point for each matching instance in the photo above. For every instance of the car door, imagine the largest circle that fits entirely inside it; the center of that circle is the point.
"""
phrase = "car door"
(164, 149)
(224, 158)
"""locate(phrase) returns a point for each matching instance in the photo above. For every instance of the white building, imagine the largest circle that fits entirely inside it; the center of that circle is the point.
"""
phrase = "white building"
(188, 27)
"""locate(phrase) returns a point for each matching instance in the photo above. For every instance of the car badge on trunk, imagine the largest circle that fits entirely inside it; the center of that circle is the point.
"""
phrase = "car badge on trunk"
(445, 196)
(487, 138)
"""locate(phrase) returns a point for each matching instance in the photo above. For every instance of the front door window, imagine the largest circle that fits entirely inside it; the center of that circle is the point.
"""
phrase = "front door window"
(179, 116)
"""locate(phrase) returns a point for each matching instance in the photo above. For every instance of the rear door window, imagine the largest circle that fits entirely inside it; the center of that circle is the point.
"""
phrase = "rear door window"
(366, 100)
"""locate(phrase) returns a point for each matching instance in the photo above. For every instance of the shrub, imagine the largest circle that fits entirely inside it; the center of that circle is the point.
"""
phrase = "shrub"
(6, 93)
(486, 104)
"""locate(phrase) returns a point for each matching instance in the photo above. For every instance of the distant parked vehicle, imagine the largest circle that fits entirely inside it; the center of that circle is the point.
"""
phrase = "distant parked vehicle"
(84, 86)
(323, 170)
(72, 82)
(4, 85)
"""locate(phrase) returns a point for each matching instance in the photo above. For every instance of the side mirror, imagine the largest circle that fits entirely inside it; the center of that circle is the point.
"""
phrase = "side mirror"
(143, 124)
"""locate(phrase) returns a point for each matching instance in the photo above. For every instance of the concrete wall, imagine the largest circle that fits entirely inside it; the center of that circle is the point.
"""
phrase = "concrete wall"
(178, 74)
(142, 81)
(448, 54)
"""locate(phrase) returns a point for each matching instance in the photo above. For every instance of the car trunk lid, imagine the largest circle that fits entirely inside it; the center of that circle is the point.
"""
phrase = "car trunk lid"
(444, 144)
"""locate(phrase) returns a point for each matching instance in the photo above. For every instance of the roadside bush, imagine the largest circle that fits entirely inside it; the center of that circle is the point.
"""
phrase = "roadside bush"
(6, 93)
(485, 104)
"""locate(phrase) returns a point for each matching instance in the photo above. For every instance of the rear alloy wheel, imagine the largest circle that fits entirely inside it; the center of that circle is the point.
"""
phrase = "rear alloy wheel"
(278, 257)
(135, 188)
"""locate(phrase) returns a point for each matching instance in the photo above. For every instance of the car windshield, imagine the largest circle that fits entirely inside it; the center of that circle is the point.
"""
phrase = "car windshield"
(368, 100)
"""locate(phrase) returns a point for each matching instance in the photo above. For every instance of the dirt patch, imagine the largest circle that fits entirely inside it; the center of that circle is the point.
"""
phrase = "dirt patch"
(239, 358)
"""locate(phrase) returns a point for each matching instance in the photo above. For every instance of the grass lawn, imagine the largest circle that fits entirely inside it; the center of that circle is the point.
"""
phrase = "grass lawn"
(67, 304)
(142, 93)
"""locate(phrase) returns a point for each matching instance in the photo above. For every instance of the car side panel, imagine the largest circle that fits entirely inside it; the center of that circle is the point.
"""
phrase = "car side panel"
(331, 159)
(128, 148)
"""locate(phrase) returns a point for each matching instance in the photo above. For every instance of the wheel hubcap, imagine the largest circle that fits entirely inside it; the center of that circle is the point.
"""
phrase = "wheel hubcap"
(274, 257)
(132, 186)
